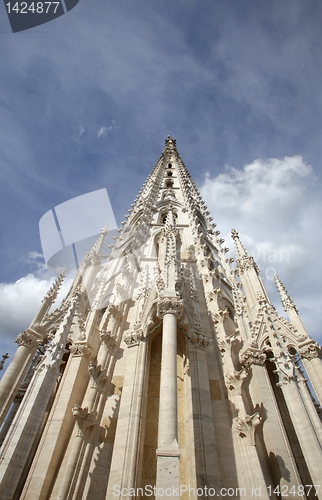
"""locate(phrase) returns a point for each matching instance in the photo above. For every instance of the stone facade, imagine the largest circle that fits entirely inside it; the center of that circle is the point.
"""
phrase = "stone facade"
(165, 373)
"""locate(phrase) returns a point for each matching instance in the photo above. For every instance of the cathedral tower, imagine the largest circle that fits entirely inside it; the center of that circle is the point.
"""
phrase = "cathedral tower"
(165, 372)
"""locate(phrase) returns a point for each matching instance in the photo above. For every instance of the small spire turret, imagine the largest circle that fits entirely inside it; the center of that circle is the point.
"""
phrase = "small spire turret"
(287, 302)
(240, 249)
(290, 308)
(249, 273)
(49, 299)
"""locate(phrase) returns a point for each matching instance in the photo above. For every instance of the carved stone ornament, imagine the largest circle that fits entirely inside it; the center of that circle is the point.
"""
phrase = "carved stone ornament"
(310, 351)
(98, 376)
(158, 278)
(246, 426)
(133, 338)
(214, 294)
(200, 340)
(285, 369)
(252, 356)
(29, 338)
(84, 418)
(245, 263)
(108, 337)
(221, 315)
(80, 349)
(234, 381)
(170, 306)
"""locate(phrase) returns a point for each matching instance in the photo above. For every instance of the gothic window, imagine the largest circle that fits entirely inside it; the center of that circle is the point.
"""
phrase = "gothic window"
(170, 165)
(169, 173)
(169, 183)
(163, 216)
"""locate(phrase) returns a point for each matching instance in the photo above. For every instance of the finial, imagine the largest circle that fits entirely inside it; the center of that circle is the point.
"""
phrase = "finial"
(240, 250)
(170, 144)
(2, 362)
(234, 234)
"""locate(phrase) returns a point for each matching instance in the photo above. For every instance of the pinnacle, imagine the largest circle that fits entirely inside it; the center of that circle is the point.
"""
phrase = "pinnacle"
(240, 250)
(287, 302)
(170, 144)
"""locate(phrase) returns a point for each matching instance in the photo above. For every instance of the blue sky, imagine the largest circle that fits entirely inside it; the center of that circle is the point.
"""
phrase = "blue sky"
(87, 100)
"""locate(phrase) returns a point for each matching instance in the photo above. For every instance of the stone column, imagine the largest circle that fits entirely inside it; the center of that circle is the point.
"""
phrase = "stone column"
(31, 415)
(28, 342)
(170, 308)
(85, 417)
(206, 464)
(304, 418)
(56, 435)
(10, 416)
(311, 357)
(124, 466)
(12, 379)
(248, 467)
(279, 453)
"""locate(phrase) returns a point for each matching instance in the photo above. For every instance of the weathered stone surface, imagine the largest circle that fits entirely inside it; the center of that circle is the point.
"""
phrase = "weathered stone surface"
(161, 368)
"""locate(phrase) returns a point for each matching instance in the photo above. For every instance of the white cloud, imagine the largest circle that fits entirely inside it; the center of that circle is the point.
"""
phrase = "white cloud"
(103, 131)
(79, 134)
(19, 304)
(276, 207)
(35, 260)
